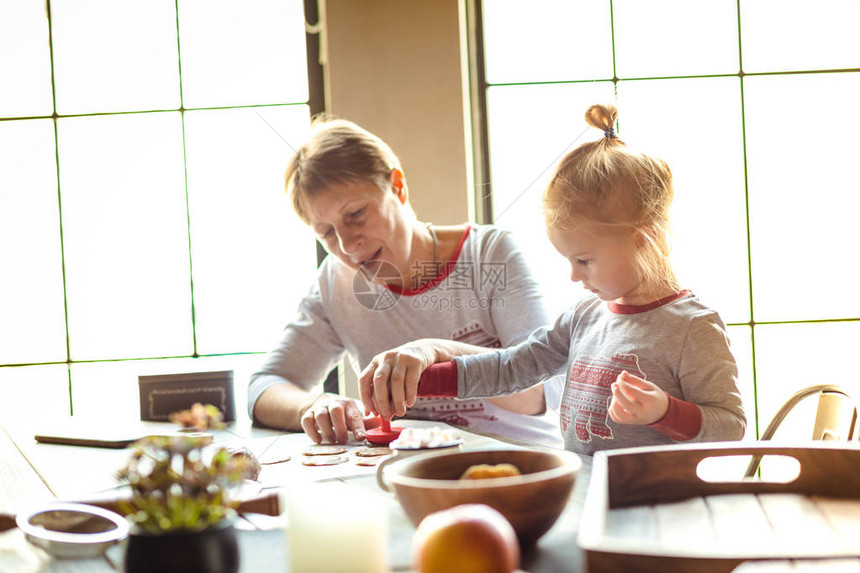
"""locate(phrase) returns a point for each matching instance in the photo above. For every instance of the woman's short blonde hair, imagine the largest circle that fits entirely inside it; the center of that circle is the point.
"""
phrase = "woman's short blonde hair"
(605, 182)
(338, 151)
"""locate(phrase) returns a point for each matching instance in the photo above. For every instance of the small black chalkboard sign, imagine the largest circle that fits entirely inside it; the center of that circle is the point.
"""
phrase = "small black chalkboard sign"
(163, 394)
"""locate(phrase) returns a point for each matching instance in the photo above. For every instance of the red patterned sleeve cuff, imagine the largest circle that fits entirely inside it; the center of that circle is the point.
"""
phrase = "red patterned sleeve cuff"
(439, 381)
(682, 421)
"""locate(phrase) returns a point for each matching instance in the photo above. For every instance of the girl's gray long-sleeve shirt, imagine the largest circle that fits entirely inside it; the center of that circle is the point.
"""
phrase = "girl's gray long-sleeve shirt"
(680, 346)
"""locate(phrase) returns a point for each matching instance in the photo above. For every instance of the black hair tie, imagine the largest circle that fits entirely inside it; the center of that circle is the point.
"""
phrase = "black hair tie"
(609, 133)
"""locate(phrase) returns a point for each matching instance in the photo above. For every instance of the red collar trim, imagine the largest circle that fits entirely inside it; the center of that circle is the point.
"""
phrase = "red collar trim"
(446, 270)
(636, 309)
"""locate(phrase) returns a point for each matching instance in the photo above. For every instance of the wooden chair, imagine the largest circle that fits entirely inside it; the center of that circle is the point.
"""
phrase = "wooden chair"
(830, 422)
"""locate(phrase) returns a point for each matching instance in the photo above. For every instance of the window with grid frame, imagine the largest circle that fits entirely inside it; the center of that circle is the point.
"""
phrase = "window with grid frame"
(143, 223)
(752, 103)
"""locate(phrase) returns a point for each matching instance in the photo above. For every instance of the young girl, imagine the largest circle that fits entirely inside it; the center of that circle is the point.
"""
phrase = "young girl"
(645, 362)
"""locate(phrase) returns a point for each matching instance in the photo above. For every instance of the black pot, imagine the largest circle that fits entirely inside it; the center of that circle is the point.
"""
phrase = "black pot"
(212, 550)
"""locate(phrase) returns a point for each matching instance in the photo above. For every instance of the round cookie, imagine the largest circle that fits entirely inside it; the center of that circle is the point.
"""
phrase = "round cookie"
(268, 459)
(324, 450)
(372, 452)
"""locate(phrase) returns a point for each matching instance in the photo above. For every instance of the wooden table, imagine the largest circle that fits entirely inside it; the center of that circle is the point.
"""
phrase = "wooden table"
(31, 472)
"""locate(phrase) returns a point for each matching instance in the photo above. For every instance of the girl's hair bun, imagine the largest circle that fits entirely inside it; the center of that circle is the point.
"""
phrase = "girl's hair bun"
(603, 118)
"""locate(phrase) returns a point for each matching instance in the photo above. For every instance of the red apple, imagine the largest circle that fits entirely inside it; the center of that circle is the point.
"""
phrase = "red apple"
(469, 538)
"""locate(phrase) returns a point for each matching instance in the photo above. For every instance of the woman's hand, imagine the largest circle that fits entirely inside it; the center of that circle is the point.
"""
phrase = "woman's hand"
(389, 384)
(637, 401)
(330, 417)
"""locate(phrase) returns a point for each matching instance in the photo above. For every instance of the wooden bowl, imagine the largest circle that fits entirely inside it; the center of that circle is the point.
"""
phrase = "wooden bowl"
(532, 502)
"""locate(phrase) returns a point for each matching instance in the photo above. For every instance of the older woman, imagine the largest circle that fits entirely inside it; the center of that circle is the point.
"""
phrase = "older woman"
(391, 280)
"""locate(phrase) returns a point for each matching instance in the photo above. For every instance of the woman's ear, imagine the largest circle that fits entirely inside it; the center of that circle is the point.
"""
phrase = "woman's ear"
(398, 184)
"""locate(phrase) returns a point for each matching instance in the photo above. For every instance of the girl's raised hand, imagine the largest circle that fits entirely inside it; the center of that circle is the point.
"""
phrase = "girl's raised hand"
(389, 384)
(637, 401)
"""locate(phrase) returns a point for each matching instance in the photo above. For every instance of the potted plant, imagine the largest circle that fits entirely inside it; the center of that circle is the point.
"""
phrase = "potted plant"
(181, 510)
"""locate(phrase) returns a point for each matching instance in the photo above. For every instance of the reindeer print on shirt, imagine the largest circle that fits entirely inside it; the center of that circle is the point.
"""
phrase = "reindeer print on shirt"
(586, 396)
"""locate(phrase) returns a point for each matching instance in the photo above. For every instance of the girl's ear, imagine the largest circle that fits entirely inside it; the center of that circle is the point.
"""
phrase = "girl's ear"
(398, 183)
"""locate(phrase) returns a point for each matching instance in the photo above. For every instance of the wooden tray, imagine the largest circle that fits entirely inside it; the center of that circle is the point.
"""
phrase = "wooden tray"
(647, 510)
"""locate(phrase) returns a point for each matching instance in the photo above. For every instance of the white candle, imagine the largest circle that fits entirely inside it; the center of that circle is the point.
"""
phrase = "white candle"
(336, 527)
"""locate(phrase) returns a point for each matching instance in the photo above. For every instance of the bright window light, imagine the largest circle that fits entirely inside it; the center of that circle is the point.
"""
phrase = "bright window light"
(550, 40)
(240, 218)
(241, 56)
(786, 35)
(803, 198)
(115, 56)
(143, 220)
(32, 325)
(675, 37)
(41, 393)
(25, 60)
(127, 268)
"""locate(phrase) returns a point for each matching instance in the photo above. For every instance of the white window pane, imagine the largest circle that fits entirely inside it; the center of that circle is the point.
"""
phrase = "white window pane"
(741, 345)
(695, 126)
(802, 143)
(253, 258)
(547, 40)
(32, 320)
(789, 357)
(25, 60)
(782, 35)
(253, 54)
(525, 149)
(109, 390)
(675, 37)
(126, 236)
(33, 392)
(115, 56)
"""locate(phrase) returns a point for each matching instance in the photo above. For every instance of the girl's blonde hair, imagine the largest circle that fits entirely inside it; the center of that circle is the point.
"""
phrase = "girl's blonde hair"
(338, 151)
(605, 182)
